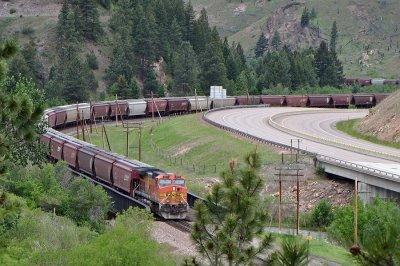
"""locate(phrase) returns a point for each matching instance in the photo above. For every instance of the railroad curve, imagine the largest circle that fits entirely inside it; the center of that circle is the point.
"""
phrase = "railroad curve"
(291, 122)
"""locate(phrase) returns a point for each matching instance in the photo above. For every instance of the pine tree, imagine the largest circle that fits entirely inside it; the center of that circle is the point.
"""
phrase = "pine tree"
(202, 33)
(7, 50)
(88, 17)
(121, 61)
(189, 23)
(276, 41)
(322, 64)
(232, 217)
(305, 18)
(71, 77)
(186, 72)
(334, 34)
(242, 57)
(66, 26)
(19, 117)
(175, 35)
(144, 43)
(213, 67)
(31, 58)
(261, 46)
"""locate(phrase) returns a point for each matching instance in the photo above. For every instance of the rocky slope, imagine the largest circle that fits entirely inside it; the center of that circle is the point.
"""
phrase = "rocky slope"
(384, 120)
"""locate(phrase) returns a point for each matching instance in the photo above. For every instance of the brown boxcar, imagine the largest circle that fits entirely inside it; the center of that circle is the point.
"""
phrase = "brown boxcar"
(100, 110)
(70, 154)
(45, 139)
(364, 100)
(350, 81)
(341, 100)
(121, 106)
(56, 148)
(103, 164)
(365, 82)
(52, 117)
(391, 82)
(61, 117)
(178, 105)
(297, 100)
(379, 97)
(86, 159)
(319, 101)
(158, 105)
(247, 100)
(273, 100)
(124, 174)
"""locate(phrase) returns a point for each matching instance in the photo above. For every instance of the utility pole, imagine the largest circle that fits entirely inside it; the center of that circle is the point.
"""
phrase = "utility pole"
(83, 128)
(280, 201)
(77, 121)
(298, 202)
(356, 213)
(152, 106)
(195, 98)
(116, 110)
(91, 119)
(135, 126)
(355, 249)
(127, 142)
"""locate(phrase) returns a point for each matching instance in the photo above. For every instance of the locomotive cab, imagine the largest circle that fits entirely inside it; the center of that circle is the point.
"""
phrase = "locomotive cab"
(172, 196)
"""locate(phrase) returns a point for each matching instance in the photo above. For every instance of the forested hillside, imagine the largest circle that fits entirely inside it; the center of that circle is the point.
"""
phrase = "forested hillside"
(369, 36)
(77, 50)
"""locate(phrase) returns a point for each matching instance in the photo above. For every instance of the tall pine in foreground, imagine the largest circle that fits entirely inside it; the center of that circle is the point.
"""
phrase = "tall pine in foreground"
(233, 216)
(19, 116)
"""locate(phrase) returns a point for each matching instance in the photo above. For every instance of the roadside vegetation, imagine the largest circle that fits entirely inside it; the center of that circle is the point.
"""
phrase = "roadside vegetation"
(351, 127)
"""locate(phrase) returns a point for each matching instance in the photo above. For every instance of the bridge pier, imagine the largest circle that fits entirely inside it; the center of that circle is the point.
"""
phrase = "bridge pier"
(370, 184)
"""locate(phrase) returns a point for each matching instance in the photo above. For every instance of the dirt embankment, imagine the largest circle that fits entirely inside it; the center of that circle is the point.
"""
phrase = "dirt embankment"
(384, 120)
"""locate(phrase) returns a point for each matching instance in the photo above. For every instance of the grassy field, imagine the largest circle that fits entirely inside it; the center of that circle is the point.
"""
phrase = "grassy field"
(351, 127)
(184, 145)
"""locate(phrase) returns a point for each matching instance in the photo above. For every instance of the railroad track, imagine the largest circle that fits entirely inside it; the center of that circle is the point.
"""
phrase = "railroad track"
(181, 225)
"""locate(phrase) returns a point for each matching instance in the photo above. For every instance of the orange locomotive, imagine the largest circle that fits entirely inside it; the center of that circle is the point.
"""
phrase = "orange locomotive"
(166, 193)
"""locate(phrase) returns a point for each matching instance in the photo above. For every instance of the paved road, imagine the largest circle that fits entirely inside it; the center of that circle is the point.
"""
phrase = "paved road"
(254, 121)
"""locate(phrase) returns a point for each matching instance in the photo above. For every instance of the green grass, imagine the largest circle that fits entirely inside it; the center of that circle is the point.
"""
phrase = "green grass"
(185, 139)
(351, 127)
(326, 251)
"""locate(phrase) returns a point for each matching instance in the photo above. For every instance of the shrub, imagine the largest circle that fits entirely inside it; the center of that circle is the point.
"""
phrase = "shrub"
(91, 61)
(322, 215)
(13, 11)
(28, 30)
(379, 231)
(128, 243)
(87, 203)
(293, 251)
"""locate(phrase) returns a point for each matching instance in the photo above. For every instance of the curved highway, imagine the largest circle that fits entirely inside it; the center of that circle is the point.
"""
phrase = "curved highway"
(318, 123)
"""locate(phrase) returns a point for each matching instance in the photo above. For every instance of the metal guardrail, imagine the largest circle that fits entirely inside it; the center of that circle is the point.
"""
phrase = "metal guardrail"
(358, 167)
(319, 157)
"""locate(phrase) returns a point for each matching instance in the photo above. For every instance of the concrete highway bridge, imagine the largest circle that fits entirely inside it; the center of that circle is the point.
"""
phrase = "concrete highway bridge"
(376, 167)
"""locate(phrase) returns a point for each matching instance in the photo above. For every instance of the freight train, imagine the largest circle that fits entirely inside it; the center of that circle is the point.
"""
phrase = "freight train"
(165, 193)
(369, 81)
